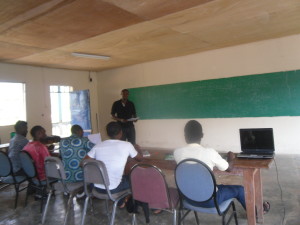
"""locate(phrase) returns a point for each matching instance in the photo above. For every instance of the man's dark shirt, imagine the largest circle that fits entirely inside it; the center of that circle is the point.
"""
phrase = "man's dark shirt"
(124, 112)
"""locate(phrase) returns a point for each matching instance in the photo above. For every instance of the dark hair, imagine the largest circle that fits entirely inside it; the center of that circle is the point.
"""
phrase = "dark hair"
(35, 129)
(76, 128)
(20, 126)
(124, 90)
(193, 132)
(113, 129)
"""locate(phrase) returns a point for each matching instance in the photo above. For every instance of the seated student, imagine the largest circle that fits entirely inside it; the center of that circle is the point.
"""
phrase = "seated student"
(193, 135)
(37, 150)
(114, 153)
(16, 145)
(72, 150)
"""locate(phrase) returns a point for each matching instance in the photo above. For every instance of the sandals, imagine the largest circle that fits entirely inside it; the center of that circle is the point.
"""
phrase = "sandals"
(124, 203)
(157, 211)
(267, 206)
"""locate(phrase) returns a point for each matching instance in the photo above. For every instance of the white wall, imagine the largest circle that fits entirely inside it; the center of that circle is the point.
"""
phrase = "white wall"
(38, 80)
(255, 58)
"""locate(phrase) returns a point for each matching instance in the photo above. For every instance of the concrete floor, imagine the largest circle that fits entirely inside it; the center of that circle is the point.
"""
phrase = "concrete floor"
(280, 184)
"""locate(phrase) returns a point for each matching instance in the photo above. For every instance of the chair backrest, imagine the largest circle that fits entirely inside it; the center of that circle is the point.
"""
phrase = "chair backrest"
(5, 165)
(54, 168)
(148, 185)
(28, 164)
(195, 180)
(95, 172)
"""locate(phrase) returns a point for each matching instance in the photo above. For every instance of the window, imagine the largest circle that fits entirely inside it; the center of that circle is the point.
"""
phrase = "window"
(12, 103)
(60, 110)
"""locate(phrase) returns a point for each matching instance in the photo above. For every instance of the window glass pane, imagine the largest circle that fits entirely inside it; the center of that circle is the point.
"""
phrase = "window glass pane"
(12, 103)
(65, 110)
(60, 110)
(53, 88)
(54, 107)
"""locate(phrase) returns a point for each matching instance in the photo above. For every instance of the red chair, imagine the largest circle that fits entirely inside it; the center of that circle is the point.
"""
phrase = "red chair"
(148, 185)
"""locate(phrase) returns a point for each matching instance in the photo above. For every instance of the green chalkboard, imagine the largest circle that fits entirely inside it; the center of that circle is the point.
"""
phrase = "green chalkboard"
(264, 95)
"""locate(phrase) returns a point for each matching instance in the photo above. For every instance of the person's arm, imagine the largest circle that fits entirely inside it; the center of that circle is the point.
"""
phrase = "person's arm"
(114, 112)
(230, 157)
(134, 112)
(86, 157)
(118, 119)
(139, 157)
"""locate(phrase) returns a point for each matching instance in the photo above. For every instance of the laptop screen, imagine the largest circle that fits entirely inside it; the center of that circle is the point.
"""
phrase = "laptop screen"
(257, 140)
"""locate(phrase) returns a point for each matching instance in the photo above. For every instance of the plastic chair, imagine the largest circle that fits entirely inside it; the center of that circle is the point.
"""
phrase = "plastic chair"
(55, 172)
(7, 176)
(40, 186)
(195, 181)
(148, 185)
(94, 172)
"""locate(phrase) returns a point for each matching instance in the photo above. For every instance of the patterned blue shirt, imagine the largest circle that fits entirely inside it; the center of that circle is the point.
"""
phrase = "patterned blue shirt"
(72, 150)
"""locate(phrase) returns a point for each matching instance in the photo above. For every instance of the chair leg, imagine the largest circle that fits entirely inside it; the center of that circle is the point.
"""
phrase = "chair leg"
(92, 206)
(196, 216)
(86, 202)
(70, 201)
(27, 193)
(46, 206)
(133, 222)
(44, 191)
(174, 216)
(182, 219)
(235, 215)
(17, 194)
(113, 213)
(107, 209)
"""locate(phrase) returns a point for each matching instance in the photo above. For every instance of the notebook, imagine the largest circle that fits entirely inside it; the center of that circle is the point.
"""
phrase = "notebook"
(257, 143)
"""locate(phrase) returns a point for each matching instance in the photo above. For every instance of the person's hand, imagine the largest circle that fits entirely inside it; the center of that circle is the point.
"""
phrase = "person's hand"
(123, 120)
(138, 148)
(50, 147)
(230, 156)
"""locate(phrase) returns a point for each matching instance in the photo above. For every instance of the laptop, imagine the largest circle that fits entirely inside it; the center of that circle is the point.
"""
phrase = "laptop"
(257, 143)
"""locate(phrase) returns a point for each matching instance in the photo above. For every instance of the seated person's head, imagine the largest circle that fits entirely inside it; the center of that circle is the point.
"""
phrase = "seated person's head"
(193, 132)
(21, 128)
(77, 130)
(114, 130)
(38, 133)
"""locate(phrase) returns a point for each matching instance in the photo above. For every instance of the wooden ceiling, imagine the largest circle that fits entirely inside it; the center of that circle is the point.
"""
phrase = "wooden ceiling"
(46, 32)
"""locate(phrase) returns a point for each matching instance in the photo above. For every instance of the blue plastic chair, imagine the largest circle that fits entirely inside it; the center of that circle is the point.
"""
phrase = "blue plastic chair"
(7, 176)
(40, 186)
(196, 183)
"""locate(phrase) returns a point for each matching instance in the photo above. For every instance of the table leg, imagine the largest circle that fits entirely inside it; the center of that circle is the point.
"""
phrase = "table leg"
(249, 186)
(258, 196)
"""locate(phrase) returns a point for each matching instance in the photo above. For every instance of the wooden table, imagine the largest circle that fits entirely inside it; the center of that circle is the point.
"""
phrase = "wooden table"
(248, 169)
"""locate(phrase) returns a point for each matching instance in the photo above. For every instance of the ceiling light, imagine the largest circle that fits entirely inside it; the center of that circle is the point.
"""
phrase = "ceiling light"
(91, 56)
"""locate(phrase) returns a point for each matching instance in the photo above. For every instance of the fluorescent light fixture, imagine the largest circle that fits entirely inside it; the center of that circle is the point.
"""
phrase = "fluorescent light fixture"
(90, 56)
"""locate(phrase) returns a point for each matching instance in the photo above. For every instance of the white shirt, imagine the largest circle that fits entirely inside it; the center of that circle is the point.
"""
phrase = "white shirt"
(114, 154)
(207, 155)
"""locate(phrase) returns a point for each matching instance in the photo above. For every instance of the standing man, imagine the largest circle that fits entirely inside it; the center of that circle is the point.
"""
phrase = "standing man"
(16, 145)
(121, 111)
